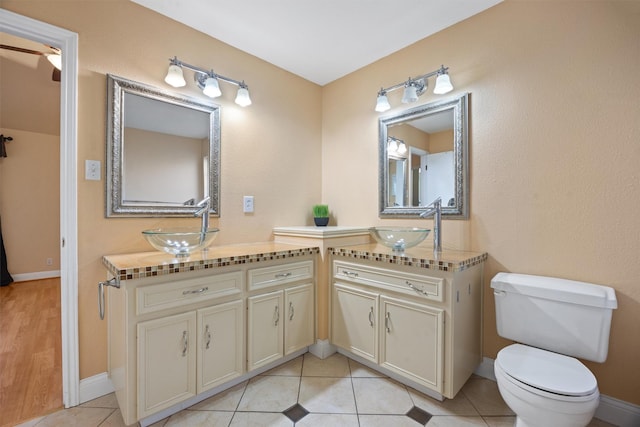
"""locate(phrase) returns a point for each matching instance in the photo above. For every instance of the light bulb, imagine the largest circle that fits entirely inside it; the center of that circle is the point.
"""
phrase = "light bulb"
(55, 59)
(382, 103)
(174, 76)
(242, 98)
(211, 87)
(410, 94)
(443, 84)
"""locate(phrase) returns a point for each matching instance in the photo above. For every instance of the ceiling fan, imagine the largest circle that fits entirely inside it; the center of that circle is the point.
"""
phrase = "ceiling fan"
(54, 57)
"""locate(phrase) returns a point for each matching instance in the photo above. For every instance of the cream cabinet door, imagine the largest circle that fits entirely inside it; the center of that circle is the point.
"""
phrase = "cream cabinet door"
(220, 344)
(166, 362)
(354, 323)
(266, 333)
(299, 320)
(412, 341)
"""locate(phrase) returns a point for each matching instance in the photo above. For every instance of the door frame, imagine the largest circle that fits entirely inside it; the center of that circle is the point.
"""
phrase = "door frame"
(67, 41)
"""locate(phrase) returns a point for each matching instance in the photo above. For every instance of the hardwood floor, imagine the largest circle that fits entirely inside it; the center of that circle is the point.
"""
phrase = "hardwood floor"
(30, 350)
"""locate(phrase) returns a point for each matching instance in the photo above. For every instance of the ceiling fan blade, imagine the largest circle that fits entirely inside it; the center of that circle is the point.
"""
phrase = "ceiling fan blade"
(55, 76)
(20, 49)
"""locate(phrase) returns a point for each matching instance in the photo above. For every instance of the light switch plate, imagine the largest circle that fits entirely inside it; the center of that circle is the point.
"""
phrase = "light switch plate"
(92, 170)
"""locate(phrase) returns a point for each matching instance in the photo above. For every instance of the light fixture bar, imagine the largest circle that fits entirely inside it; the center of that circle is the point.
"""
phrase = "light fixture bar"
(419, 84)
(176, 61)
(207, 81)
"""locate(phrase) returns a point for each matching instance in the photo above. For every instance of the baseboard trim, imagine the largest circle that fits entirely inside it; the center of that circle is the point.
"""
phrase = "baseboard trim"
(618, 412)
(95, 386)
(612, 410)
(25, 277)
(322, 349)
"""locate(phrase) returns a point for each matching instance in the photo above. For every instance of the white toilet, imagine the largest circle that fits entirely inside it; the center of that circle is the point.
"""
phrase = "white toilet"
(551, 319)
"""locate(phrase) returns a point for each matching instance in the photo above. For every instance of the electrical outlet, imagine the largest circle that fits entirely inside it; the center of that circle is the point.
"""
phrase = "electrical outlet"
(247, 204)
(49, 261)
(92, 170)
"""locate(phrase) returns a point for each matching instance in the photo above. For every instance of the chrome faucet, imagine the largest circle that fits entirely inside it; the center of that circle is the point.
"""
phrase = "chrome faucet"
(435, 209)
(204, 205)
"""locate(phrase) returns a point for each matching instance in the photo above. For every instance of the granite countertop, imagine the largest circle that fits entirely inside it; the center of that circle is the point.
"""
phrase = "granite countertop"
(418, 256)
(149, 264)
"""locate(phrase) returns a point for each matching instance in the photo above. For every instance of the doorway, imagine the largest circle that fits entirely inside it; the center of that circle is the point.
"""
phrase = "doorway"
(67, 42)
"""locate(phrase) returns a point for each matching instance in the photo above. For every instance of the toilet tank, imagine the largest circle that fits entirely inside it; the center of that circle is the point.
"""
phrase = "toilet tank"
(564, 316)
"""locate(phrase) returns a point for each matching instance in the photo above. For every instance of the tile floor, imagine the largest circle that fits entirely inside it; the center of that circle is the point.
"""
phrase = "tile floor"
(312, 392)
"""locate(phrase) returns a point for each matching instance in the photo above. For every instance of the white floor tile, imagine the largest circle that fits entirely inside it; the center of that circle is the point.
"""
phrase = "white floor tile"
(270, 394)
(327, 395)
(381, 396)
(228, 400)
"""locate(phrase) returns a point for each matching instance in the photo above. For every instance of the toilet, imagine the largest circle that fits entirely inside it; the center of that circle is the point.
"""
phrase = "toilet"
(553, 322)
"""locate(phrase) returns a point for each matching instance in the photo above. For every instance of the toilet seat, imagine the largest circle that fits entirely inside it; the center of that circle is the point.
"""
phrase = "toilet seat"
(550, 372)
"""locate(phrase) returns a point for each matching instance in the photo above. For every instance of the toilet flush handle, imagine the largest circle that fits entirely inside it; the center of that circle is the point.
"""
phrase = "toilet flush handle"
(499, 293)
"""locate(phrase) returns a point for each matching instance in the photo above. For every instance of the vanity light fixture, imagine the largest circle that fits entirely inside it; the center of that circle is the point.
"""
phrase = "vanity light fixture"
(396, 146)
(414, 87)
(208, 81)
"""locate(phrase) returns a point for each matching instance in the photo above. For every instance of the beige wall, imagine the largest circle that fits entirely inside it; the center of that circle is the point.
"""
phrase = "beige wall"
(30, 201)
(270, 150)
(549, 83)
(411, 136)
(440, 142)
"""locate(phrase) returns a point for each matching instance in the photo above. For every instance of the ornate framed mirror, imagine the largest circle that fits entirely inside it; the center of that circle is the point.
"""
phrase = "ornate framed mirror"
(424, 155)
(163, 151)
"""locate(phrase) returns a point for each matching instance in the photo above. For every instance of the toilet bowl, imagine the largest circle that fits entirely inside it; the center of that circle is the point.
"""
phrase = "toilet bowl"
(553, 321)
(544, 388)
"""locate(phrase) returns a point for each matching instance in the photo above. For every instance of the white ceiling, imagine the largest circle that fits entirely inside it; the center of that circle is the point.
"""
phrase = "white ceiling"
(319, 40)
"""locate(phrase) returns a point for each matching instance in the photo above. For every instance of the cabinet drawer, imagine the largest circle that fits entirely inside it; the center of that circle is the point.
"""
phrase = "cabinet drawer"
(265, 277)
(175, 294)
(418, 285)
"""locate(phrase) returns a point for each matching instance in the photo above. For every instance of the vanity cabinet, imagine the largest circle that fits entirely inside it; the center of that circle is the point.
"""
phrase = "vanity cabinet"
(354, 323)
(173, 337)
(182, 355)
(420, 326)
(280, 321)
(166, 362)
(177, 338)
(411, 340)
(397, 334)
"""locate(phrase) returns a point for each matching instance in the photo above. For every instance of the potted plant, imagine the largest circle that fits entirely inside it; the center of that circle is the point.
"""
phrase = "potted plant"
(321, 215)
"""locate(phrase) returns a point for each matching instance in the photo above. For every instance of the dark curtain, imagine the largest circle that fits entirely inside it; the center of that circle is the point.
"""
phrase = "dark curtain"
(5, 276)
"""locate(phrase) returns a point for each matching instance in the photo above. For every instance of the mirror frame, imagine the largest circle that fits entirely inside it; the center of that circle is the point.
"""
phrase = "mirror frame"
(459, 105)
(117, 87)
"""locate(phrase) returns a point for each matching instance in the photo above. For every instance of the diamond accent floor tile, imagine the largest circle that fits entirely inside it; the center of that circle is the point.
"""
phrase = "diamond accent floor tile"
(419, 416)
(296, 412)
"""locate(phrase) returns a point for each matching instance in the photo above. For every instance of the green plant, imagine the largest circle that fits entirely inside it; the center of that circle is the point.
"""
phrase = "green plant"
(321, 211)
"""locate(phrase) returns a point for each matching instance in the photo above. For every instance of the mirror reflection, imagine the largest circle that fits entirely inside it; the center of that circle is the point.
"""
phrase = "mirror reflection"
(163, 151)
(423, 155)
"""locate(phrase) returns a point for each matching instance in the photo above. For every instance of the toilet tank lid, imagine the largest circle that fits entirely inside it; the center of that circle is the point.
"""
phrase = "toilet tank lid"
(556, 289)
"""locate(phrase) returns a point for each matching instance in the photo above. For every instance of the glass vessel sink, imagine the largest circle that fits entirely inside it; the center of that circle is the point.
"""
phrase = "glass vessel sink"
(399, 238)
(180, 241)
